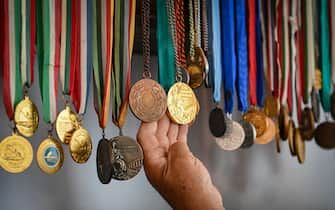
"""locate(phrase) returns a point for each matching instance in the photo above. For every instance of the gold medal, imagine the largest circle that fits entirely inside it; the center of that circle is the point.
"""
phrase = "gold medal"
(26, 117)
(80, 146)
(16, 154)
(269, 133)
(291, 136)
(66, 125)
(50, 156)
(299, 145)
(182, 104)
(258, 119)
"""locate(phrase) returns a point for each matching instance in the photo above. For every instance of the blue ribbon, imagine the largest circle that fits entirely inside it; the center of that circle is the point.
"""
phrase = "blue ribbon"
(215, 48)
(259, 57)
(229, 56)
(242, 55)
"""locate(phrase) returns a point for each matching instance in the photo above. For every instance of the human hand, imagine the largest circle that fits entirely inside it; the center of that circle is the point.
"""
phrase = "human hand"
(172, 169)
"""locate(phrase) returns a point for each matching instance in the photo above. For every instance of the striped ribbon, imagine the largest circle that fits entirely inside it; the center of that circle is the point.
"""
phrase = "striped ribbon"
(11, 56)
(48, 44)
(103, 12)
(286, 53)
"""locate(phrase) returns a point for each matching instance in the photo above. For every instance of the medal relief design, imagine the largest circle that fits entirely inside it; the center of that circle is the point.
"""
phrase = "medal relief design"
(50, 156)
(147, 100)
(182, 103)
(81, 146)
(126, 157)
(66, 124)
(26, 117)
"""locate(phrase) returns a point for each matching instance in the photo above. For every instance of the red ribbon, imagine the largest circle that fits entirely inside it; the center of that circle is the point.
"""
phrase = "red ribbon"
(252, 51)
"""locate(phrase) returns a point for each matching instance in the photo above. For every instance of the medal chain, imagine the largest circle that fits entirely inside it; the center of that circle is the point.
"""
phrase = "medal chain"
(197, 23)
(204, 25)
(145, 18)
(180, 33)
(191, 34)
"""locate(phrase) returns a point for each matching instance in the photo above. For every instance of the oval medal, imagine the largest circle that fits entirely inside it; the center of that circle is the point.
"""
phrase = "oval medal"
(50, 156)
(26, 117)
(284, 121)
(217, 123)
(299, 145)
(126, 157)
(290, 137)
(81, 146)
(104, 166)
(324, 135)
(66, 125)
(147, 100)
(16, 154)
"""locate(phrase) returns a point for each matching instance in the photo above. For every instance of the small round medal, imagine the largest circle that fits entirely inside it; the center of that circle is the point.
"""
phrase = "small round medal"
(126, 157)
(26, 117)
(269, 133)
(233, 137)
(182, 104)
(271, 106)
(299, 145)
(217, 123)
(147, 100)
(81, 146)
(258, 119)
(307, 124)
(324, 135)
(104, 166)
(290, 138)
(250, 134)
(16, 154)
(66, 125)
(50, 156)
(315, 105)
(284, 121)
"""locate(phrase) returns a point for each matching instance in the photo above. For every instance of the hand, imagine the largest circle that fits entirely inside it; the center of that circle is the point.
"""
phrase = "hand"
(172, 169)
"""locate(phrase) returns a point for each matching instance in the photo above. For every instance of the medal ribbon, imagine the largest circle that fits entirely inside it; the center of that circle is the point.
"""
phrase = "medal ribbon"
(300, 57)
(28, 41)
(252, 51)
(166, 64)
(279, 40)
(228, 52)
(242, 55)
(11, 56)
(214, 51)
(285, 99)
(325, 56)
(103, 12)
(259, 57)
(48, 36)
(293, 59)
(269, 47)
(332, 34)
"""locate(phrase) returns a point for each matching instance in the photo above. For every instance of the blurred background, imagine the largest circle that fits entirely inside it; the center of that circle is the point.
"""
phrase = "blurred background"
(256, 178)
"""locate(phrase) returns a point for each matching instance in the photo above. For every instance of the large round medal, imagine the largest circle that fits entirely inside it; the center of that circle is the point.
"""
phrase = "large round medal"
(104, 166)
(66, 125)
(324, 135)
(269, 133)
(182, 104)
(50, 156)
(147, 100)
(16, 154)
(233, 137)
(258, 119)
(250, 133)
(126, 157)
(80, 146)
(26, 117)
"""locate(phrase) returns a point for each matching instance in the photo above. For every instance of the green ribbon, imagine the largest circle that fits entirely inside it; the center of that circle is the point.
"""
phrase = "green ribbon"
(17, 35)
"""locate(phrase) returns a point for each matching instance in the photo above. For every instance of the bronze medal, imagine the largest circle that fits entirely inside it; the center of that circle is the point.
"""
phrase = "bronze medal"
(250, 134)
(147, 100)
(271, 106)
(299, 145)
(182, 104)
(50, 156)
(126, 157)
(80, 146)
(26, 117)
(284, 122)
(291, 136)
(217, 124)
(104, 165)
(258, 119)
(269, 133)
(307, 124)
(315, 105)
(233, 137)
(66, 124)
(324, 135)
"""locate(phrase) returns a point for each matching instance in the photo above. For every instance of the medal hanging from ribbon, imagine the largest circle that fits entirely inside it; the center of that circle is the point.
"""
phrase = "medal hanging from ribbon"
(50, 154)
(12, 36)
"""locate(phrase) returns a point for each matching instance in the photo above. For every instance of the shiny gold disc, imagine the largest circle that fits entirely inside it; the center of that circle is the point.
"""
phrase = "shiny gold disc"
(299, 145)
(269, 134)
(81, 146)
(182, 103)
(271, 106)
(258, 119)
(16, 154)
(196, 75)
(26, 117)
(290, 137)
(66, 124)
(50, 156)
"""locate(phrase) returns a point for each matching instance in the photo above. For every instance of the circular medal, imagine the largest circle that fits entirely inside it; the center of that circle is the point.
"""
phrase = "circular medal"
(332, 110)
(104, 166)
(315, 105)
(26, 117)
(258, 119)
(284, 121)
(182, 104)
(233, 137)
(307, 124)
(269, 133)
(250, 134)
(50, 156)
(217, 123)
(147, 100)
(271, 106)
(290, 137)
(324, 135)
(16, 154)
(81, 146)
(299, 145)
(196, 75)
(66, 125)
(126, 157)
